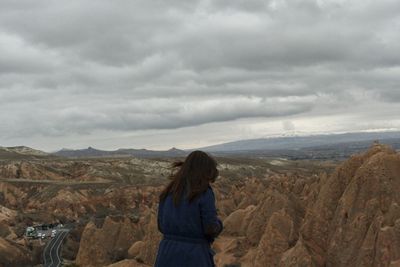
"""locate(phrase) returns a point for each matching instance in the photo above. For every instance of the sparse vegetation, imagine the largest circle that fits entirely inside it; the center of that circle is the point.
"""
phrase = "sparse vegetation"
(108, 194)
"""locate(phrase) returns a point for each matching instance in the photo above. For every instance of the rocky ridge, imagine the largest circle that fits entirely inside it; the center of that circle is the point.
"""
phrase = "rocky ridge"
(350, 218)
(347, 217)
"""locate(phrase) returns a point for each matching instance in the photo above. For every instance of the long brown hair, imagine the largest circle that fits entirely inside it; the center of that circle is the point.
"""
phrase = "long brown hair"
(194, 173)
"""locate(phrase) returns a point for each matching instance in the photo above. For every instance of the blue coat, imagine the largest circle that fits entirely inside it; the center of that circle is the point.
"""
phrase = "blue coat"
(188, 231)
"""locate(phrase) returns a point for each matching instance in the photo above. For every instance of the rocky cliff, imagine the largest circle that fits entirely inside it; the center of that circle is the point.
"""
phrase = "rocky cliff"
(350, 218)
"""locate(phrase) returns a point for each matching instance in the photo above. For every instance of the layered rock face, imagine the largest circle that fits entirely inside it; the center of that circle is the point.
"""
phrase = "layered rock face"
(355, 220)
(145, 251)
(116, 240)
(350, 218)
(108, 243)
(261, 233)
(13, 254)
(289, 216)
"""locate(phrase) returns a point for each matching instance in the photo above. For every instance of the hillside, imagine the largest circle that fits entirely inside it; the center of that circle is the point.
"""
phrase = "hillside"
(21, 152)
(350, 218)
(276, 212)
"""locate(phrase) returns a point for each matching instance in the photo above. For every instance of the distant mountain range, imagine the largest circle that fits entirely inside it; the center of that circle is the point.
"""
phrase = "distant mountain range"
(294, 147)
(299, 142)
(20, 152)
(123, 152)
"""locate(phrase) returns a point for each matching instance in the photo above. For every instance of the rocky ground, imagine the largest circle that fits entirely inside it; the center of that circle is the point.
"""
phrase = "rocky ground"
(275, 212)
(349, 218)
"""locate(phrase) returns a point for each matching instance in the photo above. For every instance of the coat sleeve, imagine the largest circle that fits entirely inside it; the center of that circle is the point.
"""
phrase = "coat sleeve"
(212, 225)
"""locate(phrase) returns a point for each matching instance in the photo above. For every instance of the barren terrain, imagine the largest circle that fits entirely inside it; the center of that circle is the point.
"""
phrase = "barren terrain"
(276, 212)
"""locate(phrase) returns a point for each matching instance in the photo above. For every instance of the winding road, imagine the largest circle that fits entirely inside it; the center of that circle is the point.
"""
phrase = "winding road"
(51, 253)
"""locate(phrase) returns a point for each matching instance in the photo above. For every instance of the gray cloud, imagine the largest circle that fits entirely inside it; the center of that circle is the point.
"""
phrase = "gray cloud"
(81, 67)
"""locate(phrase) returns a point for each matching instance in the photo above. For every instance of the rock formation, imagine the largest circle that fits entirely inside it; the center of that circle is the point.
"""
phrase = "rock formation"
(355, 220)
(109, 243)
(148, 249)
(289, 216)
(13, 254)
(348, 218)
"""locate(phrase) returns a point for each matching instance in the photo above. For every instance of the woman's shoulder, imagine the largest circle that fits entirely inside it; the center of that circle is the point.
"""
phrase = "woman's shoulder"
(210, 190)
(208, 193)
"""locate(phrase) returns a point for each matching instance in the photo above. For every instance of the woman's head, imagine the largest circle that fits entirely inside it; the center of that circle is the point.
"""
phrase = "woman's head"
(194, 173)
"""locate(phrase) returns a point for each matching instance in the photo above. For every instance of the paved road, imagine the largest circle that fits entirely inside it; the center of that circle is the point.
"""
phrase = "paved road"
(51, 253)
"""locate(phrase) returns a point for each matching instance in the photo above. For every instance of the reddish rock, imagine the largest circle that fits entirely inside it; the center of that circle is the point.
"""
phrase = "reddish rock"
(151, 241)
(237, 222)
(107, 244)
(344, 226)
(12, 254)
(128, 263)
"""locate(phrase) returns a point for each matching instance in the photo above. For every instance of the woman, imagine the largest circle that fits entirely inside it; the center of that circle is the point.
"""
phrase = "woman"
(187, 216)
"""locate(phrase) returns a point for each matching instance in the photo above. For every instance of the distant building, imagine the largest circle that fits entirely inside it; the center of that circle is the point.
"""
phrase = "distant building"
(31, 232)
(41, 231)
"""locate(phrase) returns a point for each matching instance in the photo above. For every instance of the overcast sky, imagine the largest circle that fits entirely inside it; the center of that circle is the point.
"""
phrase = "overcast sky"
(161, 73)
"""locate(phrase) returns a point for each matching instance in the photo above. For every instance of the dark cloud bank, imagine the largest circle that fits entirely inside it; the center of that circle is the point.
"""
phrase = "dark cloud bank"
(129, 73)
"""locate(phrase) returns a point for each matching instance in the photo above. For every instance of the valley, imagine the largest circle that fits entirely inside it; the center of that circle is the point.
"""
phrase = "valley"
(276, 211)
